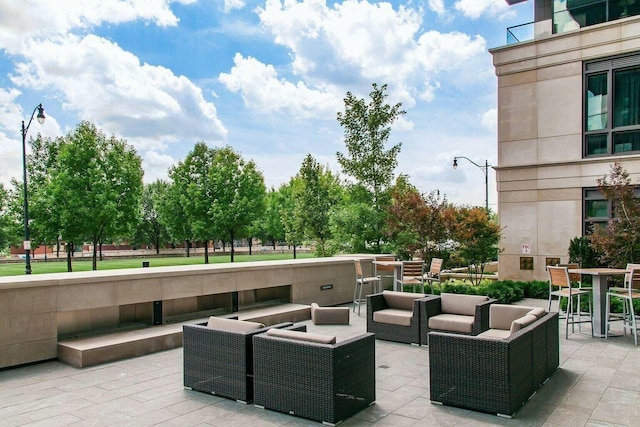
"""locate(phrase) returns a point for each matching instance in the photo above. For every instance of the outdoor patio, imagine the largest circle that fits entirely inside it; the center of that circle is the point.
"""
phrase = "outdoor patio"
(598, 383)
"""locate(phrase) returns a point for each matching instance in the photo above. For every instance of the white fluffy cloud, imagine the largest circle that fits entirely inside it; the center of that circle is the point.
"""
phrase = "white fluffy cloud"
(110, 87)
(355, 43)
(437, 6)
(262, 89)
(475, 8)
(489, 120)
(25, 19)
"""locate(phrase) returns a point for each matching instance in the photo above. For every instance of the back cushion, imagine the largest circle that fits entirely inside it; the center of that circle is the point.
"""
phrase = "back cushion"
(520, 323)
(461, 304)
(538, 312)
(232, 325)
(301, 336)
(501, 315)
(400, 300)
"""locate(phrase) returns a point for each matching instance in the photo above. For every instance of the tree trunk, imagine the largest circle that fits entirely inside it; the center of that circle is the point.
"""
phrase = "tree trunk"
(94, 256)
(250, 245)
(188, 244)
(274, 244)
(294, 251)
(232, 251)
(206, 252)
(69, 250)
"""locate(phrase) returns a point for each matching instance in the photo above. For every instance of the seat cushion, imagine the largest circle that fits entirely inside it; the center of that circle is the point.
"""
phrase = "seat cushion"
(520, 323)
(452, 322)
(232, 325)
(495, 333)
(329, 315)
(461, 304)
(301, 336)
(393, 316)
(501, 315)
(401, 300)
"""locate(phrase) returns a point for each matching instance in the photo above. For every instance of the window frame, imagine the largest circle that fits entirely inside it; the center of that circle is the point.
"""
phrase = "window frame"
(609, 67)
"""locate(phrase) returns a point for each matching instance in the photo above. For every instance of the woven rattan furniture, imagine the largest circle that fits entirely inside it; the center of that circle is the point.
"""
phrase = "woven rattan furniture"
(321, 382)
(414, 332)
(464, 314)
(493, 375)
(220, 362)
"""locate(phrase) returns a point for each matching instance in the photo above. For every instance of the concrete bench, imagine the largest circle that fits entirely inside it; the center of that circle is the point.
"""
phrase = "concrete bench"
(108, 347)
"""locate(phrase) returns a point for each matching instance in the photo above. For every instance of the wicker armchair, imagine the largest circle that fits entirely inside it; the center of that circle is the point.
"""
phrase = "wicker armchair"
(493, 375)
(414, 333)
(320, 381)
(220, 362)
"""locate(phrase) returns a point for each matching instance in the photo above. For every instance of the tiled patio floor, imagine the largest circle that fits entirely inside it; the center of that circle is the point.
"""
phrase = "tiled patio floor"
(598, 384)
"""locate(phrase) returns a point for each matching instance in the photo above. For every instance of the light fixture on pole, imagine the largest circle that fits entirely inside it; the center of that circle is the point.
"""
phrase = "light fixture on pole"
(27, 242)
(484, 169)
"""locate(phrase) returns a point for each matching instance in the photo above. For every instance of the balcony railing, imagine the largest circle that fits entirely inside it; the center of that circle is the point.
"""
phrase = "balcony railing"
(520, 33)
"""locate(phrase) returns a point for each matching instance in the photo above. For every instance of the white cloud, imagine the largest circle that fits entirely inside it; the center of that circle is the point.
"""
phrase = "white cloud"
(26, 19)
(355, 43)
(475, 8)
(110, 87)
(229, 5)
(156, 166)
(262, 89)
(437, 6)
(489, 120)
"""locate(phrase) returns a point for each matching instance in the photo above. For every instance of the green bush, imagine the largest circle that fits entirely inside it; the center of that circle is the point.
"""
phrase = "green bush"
(505, 291)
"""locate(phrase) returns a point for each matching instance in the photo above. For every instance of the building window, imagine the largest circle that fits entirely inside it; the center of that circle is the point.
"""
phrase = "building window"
(612, 106)
(597, 210)
(571, 14)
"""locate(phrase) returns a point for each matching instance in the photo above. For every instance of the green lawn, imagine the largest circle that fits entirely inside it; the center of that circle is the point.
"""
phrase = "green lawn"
(84, 264)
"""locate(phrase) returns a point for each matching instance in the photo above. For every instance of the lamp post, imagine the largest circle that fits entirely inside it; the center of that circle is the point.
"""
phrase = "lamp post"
(484, 169)
(27, 243)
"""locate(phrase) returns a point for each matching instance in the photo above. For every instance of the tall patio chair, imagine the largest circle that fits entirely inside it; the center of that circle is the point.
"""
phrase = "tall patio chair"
(433, 275)
(412, 274)
(384, 271)
(361, 281)
(560, 286)
(628, 293)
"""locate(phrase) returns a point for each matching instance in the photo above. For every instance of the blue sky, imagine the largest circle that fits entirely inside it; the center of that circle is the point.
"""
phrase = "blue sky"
(266, 77)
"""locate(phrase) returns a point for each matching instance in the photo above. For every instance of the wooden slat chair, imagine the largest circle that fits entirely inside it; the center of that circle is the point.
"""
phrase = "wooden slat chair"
(433, 275)
(384, 271)
(629, 293)
(560, 286)
(361, 281)
(412, 274)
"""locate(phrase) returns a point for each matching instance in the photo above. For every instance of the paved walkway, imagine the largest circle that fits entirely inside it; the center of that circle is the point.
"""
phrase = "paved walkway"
(598, 384)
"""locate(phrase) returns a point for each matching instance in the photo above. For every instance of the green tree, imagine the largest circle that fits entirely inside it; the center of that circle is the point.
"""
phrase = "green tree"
(270, 226)
(315, 198)
(416, 223)
(151, 230)
(239, 192)
(366, 132)
(618, 242)
(96, 185)
(6, 221)
(293, 232)
(477, 235)
(195, 192)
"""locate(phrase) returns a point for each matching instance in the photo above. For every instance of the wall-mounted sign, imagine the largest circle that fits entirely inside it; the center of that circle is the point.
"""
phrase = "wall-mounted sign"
(326, 287)
(526, 248)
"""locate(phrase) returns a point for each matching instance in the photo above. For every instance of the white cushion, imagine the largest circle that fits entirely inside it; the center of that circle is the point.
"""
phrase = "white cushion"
(232, 325)
(461, 304)
(520, 323)
(301, 336)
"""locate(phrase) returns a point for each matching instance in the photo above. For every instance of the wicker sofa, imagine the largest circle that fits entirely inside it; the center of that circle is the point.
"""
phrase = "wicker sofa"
(312, 376)
(495, 372)
(398, 316)
(218, 356)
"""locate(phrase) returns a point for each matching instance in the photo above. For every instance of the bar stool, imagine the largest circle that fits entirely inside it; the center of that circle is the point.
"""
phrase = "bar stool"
(360, 281)
(559, 278)
(628, 293)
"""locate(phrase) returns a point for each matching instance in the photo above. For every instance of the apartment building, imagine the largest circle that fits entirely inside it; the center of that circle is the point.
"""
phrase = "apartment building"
(568, 108)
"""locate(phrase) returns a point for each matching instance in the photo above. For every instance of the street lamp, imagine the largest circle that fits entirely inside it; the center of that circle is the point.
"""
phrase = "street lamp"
(484, 169)
(27, 243)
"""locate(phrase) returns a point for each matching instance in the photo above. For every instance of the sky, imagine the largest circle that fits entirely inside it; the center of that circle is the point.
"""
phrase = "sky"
(266, 77)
